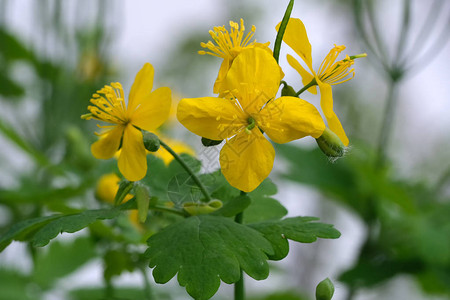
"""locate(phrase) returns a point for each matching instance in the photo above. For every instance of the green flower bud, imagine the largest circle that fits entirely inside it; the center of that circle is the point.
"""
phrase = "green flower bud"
(330, 144)
(209, 143)
(194, 208)
(288, 90)
(151, 141)
(325, 290)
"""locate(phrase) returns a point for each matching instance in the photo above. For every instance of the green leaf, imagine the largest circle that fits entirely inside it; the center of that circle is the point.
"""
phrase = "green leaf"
(9, 88)
(299, 229)
(116, 262)
(24, 230)
(264, 209)
(206, 249)
(16, 286)
(70, 224)
(234, 206)
(41, 230)
(54, 264)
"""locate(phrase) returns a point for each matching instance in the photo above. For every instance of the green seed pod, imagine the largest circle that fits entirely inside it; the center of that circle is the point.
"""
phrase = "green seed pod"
(330, 144)
(194, 208)
(288, 90)
(143, 201)
(151, 141)
(325, 290)
(209, 143)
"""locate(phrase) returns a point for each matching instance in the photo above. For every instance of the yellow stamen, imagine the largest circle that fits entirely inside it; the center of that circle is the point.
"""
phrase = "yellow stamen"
(108, 105)
(333, 72)
(228, 43)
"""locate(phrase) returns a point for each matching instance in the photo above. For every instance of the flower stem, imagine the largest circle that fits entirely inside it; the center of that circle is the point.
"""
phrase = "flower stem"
(188, 169)
(386, 129)
(239, 289)
(312, 83)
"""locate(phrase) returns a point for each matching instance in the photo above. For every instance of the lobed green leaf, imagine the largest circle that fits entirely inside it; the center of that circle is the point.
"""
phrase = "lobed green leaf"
(206, 249)
(299, 229)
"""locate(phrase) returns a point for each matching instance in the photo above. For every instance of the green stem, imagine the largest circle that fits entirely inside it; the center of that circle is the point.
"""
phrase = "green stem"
(147, 287)
(312, 83)
(170, 210)
(386, 129)
(281, 30)
(239, 289)
(188, 169)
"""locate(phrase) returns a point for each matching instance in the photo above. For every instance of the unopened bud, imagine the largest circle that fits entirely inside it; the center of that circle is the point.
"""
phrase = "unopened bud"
(209, 143)
(151, 141)
(330, 144)
(288, 90)
(142, 201)
(194, 208)
(325, 290)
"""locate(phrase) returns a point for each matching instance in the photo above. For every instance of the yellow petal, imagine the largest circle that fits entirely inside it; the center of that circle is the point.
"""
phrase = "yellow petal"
(247, 159)
(141, 88)
(306, 76)
(132, 160)
(154, 110)
(224, 67)
(210, 117)
(108, 144)
(289, 118)
(254, 78)
(297, 38)
(326, 102)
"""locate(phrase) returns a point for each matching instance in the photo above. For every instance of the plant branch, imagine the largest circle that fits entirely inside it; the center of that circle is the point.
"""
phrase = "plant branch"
(188, 169)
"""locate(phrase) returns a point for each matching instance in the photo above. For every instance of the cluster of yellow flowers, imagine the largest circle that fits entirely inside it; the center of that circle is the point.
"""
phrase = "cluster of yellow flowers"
(248, 81)
(246, 108)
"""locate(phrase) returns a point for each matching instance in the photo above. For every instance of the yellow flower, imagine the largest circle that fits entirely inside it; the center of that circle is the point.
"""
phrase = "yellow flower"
(252, 82)
(228, 45)
(145, 110)
(107, 187)
(330, 72)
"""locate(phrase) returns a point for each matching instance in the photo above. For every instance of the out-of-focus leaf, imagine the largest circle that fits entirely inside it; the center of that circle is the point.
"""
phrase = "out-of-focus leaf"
(11, 48)
(9, 132)
(116, 262)
(61, 259)
(299, 229)
(351, 180)
(206, 249)
(16, 286)
(9, 88)
(119, 293)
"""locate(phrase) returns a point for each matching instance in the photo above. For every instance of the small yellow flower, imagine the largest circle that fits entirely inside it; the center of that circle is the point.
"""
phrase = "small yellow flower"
(252, 83)
(330, 72)
(145, 110)
(228, 45)
(107, 187)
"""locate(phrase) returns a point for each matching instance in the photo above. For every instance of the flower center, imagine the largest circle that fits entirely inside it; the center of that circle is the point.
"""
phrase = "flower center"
(108, 105)
(251, 125)
(333, 72)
